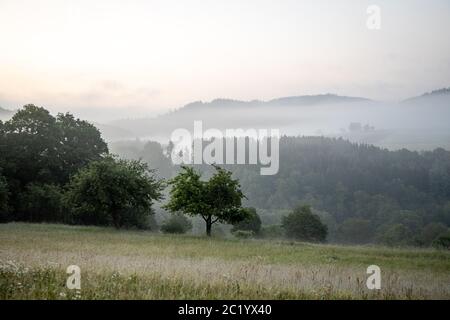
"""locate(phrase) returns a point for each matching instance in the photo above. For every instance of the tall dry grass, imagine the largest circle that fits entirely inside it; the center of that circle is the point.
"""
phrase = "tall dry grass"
(125, 264)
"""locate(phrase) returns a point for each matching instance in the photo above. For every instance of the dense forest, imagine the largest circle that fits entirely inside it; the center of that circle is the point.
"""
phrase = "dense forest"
(363, 193)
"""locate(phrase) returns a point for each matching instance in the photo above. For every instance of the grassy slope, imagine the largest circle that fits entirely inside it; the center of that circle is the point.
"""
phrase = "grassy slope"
(131, 264)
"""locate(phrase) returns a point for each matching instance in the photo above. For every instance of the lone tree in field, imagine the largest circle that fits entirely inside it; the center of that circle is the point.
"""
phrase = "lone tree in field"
(216, 200)
(303, 225)
(113, 192)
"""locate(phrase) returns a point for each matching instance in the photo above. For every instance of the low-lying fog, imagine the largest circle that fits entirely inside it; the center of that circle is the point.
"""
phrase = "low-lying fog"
(420, 124)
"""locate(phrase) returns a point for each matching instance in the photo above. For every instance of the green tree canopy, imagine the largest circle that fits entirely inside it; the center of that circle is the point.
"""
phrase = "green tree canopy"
(29, 146)
(113, 192)
(217, 200)
(302, 224)
(79, 143)
(38, 149)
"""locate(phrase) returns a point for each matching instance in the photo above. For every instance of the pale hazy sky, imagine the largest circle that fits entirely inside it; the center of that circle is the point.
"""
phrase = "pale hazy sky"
(155, 55)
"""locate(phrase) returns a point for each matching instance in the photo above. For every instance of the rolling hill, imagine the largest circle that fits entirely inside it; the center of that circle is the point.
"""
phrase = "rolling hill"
(227, 113)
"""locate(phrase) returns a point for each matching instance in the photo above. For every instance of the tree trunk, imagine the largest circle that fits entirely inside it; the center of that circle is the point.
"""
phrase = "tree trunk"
(208, 226)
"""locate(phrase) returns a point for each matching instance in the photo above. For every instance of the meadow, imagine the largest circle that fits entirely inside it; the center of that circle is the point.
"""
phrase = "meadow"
(144, 265)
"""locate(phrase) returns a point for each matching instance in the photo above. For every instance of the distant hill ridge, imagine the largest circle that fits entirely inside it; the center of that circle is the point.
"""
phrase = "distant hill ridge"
(283, 101)
(438, 92)
(443, 95)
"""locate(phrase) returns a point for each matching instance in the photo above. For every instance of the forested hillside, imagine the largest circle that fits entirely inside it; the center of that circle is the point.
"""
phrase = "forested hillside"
(363, 193)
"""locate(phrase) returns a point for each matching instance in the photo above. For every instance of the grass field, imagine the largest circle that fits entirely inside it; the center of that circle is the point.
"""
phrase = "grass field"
(142, 265)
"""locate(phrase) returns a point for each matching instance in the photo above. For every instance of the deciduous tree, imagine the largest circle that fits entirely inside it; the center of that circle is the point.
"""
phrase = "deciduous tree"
(216, 200)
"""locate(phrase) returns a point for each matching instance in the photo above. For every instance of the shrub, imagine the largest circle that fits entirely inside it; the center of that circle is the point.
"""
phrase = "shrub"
(135, 218)
(303, 225)
(251, 223)
(177, 223)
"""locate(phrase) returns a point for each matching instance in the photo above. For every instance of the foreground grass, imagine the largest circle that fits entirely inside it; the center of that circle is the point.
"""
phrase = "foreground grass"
(142, 265)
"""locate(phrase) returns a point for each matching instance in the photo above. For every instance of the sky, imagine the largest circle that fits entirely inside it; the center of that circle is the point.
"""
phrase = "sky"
(138, 58)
